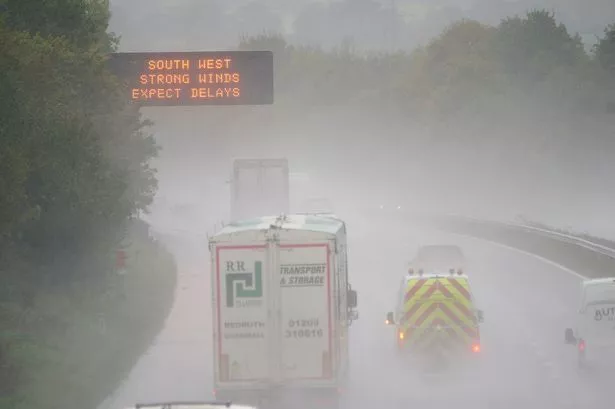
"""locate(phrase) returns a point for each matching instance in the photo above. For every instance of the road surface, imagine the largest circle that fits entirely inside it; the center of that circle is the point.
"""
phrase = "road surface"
(527, 302)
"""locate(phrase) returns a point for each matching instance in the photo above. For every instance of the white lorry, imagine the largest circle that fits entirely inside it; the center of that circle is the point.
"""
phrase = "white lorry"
(282, 308)
(259, 187)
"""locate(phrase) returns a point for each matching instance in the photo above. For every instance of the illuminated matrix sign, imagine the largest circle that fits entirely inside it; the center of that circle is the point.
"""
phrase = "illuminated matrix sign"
(196, 78)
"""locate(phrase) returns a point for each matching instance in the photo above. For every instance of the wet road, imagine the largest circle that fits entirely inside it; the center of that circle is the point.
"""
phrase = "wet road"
(527, 303)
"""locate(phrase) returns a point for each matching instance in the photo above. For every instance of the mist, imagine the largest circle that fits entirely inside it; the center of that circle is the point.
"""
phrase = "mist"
(368, 106)
(527, 163)
(393, 115)
(392, 24)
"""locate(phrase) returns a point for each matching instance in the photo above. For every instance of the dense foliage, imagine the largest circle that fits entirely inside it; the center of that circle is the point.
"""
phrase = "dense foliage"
(74, 157)
(516, 67)
(73, 174)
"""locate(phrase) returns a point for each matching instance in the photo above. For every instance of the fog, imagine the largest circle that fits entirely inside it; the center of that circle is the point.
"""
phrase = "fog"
(552, 168)
(393, 24)
(552, 176)
(540, 160)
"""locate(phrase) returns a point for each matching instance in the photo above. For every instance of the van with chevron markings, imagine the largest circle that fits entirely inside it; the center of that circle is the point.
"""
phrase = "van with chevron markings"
(282, 307)
(436, 316)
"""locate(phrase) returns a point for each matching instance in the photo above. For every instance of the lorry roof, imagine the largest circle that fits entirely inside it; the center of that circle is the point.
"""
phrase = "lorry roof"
(317, 223)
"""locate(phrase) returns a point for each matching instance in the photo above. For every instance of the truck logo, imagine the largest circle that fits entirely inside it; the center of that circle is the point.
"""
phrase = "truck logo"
(242, 284)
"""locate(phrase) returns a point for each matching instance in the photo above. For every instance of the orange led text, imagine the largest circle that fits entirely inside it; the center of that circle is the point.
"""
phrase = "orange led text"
(208, 93)
(215, 64)
(168, 65)
(156, 93)
(219, 78)
(162, 79)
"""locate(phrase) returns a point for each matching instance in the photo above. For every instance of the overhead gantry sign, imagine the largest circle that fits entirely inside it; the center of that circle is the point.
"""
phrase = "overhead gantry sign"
(196, 78)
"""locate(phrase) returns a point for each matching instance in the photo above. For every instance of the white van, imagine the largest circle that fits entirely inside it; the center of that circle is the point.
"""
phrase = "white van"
(594, 329)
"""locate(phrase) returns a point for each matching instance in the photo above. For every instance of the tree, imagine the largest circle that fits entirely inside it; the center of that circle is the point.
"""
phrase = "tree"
(82, 22)
(604, 50)
(533, 47)
(604, 54)
(454, 71)
(76, 160)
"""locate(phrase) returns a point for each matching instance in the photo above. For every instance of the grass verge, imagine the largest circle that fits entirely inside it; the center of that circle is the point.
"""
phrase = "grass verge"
(71, 349)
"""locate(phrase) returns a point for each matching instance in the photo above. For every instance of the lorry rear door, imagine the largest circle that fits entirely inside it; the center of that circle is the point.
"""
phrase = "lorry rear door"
(305, 309)
(246, 190)
(275, 191)
(243, 333)
(259, 188)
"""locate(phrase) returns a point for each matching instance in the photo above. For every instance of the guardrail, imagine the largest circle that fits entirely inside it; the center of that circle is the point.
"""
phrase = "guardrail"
(588, 258)
(590, 245)
(568, 238)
